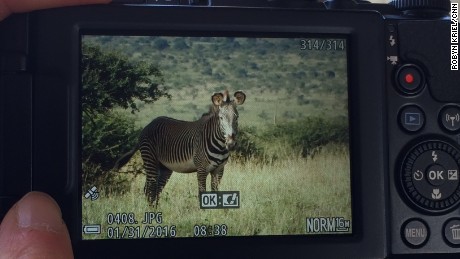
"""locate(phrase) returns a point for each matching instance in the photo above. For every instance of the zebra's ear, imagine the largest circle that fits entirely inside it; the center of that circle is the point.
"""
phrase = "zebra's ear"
(240, 97)
(217, 99)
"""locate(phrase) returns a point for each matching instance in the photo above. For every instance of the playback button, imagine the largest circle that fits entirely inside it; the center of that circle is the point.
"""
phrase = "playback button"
(411, 118)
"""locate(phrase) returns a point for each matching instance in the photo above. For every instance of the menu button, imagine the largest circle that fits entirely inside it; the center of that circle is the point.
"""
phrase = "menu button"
(415, 233)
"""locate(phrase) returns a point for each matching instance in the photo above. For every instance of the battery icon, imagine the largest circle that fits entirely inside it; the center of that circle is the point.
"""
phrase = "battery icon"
(92, 229)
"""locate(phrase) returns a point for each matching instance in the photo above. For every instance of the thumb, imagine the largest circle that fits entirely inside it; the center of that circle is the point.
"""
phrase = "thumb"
(33, 228)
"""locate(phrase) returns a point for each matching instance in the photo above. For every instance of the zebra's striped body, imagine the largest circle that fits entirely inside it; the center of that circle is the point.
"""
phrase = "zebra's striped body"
(201, 146)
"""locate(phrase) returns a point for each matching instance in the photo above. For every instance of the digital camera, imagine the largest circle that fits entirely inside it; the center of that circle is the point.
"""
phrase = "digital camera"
(259, 128)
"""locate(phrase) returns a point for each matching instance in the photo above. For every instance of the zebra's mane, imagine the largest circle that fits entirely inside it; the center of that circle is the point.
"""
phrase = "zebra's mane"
(211, 112)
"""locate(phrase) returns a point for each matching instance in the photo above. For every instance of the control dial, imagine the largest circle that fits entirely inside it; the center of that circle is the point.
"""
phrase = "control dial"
(430, 176)
(420, 7)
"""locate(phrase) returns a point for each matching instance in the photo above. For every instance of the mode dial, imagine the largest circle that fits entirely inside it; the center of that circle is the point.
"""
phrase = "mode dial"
(423, 7)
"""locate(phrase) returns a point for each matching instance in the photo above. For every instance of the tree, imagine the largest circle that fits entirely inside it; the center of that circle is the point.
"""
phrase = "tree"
(111, 80)
(180, 44)
(160, 44)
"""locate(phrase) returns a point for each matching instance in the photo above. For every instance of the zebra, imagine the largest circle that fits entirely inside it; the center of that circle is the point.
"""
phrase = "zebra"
(201, 146)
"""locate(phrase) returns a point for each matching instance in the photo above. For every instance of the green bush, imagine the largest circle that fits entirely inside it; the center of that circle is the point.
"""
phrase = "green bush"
(248, 145)
(307, 136)
(311, 133)
(106, 137)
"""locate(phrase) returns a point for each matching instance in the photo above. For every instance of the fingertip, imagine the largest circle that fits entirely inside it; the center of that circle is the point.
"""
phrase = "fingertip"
(14, 6)
(39, 211)
(34, 228)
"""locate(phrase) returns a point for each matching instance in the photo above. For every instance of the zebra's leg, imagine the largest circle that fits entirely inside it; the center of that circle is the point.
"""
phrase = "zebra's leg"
(151, 186)
(216, 176)
(151, 167)
(202, 175)
(164, 175)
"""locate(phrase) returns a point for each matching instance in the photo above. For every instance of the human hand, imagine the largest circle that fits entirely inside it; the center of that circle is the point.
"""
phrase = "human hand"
(33, 228)
(8, 7)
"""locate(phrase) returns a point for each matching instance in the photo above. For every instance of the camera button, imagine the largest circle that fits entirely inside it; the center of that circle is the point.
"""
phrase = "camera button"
(410, 79)
(430, 176)
(412, 118)
(450, 118)
(436, 174)
(452, 232)
(415, 233)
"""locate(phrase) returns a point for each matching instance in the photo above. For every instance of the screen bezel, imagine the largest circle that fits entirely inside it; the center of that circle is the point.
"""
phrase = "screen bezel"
(366, 112)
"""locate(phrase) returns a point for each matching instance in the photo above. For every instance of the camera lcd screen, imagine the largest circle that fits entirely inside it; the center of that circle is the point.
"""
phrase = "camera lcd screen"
(213, 136)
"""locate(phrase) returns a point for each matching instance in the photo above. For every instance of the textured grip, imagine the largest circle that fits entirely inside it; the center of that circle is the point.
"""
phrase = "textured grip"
(405, 5)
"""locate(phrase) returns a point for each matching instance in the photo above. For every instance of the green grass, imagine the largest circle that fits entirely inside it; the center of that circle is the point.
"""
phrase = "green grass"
(275, 199)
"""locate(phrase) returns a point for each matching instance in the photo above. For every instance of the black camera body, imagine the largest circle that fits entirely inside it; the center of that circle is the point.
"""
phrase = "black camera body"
(396, 66)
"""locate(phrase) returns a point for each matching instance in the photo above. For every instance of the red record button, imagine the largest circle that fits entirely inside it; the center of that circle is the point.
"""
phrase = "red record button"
(410, 79)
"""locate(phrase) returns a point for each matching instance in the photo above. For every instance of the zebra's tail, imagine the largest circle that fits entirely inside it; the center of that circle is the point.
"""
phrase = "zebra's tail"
(125, 158)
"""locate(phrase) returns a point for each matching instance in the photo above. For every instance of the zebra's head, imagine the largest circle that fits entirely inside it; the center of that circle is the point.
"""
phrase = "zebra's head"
(228, 115)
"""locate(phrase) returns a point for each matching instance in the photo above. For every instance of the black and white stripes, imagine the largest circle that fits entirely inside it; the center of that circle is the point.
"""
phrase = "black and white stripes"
(201, 146)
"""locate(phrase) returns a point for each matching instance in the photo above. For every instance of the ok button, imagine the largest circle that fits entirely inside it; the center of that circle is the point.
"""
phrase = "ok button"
(436, 175)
